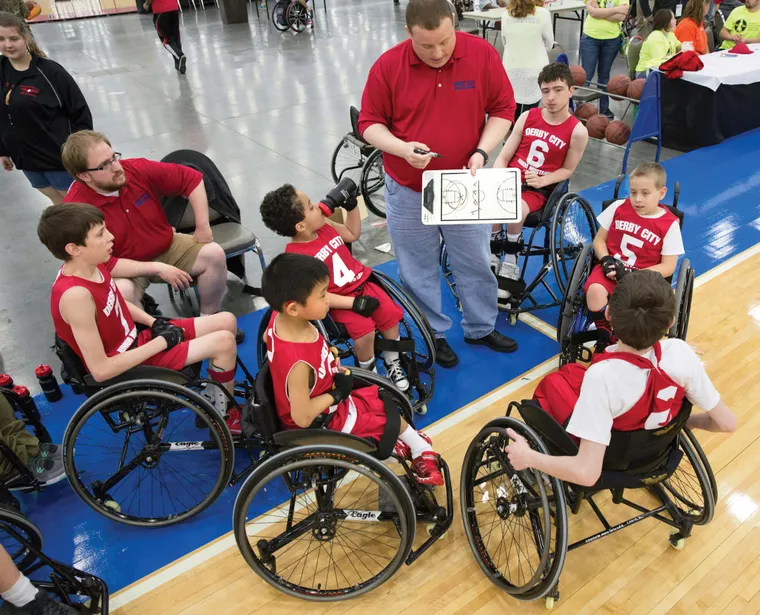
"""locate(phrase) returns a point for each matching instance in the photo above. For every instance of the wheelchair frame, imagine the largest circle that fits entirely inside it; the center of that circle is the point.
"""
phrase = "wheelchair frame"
(555, 255)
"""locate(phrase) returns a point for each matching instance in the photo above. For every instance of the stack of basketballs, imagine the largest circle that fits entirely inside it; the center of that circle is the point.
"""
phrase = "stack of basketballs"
(599, 126)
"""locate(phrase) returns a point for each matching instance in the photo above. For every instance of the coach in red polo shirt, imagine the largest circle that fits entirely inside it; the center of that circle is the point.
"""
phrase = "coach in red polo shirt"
(439, 91)
(145, 247)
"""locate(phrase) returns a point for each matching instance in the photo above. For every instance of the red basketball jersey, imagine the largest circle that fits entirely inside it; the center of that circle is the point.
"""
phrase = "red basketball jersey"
(115, 325)
(283, 356)
(543, 147)
(346, 273)
(637, 241)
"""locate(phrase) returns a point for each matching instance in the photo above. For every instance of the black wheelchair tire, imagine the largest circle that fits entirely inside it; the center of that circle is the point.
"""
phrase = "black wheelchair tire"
(166, 390)
(369, 186)
(573, 300)
(419, 319)
(448, 274)
(705, 462)
(297, 16)
(560, 262)
(23, 557)
(347, 459)
(261, 345)
(536, 588)
(684, 291)
(280, 11)
(344, 145)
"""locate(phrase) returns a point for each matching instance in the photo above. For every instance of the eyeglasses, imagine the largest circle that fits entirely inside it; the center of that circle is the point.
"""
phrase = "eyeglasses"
(107, 164)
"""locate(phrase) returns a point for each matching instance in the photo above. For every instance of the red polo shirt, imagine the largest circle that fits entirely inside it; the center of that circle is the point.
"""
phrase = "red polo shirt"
(444, 108)
(135, 215)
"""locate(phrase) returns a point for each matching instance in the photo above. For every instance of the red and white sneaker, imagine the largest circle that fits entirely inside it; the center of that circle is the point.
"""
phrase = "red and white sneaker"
(233, 421)
(402, 449)
(426, 471)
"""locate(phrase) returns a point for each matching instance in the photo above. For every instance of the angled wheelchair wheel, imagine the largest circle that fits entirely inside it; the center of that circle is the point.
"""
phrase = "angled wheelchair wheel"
(689, 488)
(298, 16)
(280, 15)
(705, 463)
(148, 453)
(573, 226)
(573, 315)
(261, 345)
(324, 522)
(448, 274)
(372, 183)
(515, 522)
(684, 292)
(347, 161)
(19, 537)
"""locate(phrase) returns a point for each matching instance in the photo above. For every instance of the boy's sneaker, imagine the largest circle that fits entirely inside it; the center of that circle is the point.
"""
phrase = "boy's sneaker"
(510, 271)
(402, 449)
(233, 421)
(49, 450)
(47, 470)
(396, 374)
(43, 604)
(426, 471)
(182, 64)
(494, 263)
(607, 113)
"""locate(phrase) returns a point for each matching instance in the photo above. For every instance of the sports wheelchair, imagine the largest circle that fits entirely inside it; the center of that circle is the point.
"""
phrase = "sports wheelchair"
(575, 328)
(324, 519)
(291, 14)
(416, 346)
(517, 523)
(23, 542)
(363, 163)
(559, 232)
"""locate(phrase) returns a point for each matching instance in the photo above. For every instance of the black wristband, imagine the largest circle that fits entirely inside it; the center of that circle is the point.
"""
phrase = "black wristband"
(482, 153)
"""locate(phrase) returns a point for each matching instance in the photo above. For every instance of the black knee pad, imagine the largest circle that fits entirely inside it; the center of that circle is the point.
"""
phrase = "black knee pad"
(598, 315)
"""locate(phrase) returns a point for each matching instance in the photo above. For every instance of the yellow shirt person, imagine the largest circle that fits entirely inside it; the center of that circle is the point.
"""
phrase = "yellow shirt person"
(742, 25)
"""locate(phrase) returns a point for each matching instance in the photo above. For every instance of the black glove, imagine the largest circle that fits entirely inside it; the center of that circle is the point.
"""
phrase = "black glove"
(610, 263)
(171, 333)
(342, 195)
(343, 384)
(159, 324)
(364, 305)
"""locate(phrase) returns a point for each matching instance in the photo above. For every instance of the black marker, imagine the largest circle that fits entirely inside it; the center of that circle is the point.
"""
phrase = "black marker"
(422, 152)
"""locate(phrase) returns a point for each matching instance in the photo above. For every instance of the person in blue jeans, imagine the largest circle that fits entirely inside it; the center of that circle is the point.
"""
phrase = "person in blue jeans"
(445, 92)
(600, 42)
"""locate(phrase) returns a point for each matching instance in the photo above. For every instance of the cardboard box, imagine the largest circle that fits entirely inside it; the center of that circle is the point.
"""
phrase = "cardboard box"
(340, 214)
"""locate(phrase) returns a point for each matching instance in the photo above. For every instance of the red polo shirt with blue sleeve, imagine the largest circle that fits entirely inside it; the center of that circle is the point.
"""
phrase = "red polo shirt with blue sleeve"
(444, 108)
(134, 215)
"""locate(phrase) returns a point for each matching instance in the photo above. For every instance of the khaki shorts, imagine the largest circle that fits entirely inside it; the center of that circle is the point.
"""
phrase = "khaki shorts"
(182, 254)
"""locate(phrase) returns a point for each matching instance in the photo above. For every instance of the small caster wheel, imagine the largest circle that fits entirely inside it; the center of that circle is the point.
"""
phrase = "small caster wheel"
(430, 527)
(513, 319)
(676, 540)
(549, 602)
(113, 505)
(421, 410)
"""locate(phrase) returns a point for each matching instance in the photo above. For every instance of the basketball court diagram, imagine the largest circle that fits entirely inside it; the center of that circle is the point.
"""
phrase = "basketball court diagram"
(456, 197)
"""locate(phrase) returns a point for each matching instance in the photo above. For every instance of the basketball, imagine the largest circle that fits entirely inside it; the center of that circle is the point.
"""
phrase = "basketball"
(617, 132)
(619, 85)
(585, 111)
(596, 126)
(34, 9)
(636, 88)
(578, 74)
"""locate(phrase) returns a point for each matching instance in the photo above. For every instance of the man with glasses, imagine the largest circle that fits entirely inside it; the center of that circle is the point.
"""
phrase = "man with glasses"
(146, 248)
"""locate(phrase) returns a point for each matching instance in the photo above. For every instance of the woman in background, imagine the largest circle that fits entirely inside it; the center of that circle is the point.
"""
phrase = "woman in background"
(661, 44)
(691, 28)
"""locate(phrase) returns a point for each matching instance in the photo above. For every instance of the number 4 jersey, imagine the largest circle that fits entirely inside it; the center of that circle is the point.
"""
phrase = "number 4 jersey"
(346, 273)
(640, 241)
(543, 147)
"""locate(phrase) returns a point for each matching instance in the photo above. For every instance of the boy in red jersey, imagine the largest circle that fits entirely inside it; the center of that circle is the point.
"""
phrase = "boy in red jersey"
(634, 233)
(92, 317)
(638, 384)
(310, 387)
(359, 304)
(546, 145)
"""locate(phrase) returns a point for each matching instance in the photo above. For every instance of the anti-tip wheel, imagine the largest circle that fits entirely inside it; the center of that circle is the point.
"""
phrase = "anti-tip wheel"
(430, 527)
(676, 540)
(421, 410)
(549, 602)
(513, 319)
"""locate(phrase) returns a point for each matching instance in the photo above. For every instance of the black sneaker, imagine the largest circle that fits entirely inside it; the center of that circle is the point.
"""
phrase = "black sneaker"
(495, 341)
(239, 336)
(43, 604)
(49, 450)
(444, 355)
(607, 113)
(182, 67)
(47, 470)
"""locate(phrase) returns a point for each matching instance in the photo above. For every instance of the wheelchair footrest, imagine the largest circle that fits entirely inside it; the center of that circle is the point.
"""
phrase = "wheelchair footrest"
(516, 288)
(382, 344)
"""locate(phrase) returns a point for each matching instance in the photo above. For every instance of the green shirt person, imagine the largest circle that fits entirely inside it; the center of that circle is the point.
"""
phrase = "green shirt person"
(742, 25)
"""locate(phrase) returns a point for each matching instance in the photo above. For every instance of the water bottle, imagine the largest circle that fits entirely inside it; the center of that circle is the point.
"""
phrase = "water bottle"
(6, 382)
(26, 403)
(48, 382)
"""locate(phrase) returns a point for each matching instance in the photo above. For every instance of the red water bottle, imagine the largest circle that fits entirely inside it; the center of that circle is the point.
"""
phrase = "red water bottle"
(48, 382)
(6, 382)
(26, 403)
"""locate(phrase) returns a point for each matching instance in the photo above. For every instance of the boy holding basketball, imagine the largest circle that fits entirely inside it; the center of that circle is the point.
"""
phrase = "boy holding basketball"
(634, 233)
(362, 306)
(310, 387)
(546, 145)
(640, 383)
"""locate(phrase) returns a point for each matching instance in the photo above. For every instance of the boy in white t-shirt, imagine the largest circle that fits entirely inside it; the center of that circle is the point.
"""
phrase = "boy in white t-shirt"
(613, 394)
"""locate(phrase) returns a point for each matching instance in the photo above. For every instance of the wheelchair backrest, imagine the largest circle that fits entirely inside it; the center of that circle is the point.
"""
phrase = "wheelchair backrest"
(354, 115)
(264, 411)
(74, 369)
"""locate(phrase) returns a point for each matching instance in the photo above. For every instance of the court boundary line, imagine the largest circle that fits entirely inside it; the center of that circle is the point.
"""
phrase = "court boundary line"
(203, 554)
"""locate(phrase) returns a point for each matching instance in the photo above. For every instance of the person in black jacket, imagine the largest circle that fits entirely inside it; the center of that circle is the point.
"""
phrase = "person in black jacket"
(41, 105)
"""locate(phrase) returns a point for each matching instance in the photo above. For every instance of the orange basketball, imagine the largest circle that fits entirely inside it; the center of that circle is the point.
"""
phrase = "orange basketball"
(34, 9)
(619, 85)
(636, 88)
(596, 126)
(578, 74)
(585, 111)
(617, 132)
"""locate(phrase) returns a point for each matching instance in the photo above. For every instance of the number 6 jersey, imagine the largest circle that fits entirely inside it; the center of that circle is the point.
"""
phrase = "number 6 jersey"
(640, 241)
(346, 273)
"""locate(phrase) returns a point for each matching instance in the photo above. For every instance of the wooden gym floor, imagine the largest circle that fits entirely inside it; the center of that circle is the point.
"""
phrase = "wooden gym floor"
(634, 571)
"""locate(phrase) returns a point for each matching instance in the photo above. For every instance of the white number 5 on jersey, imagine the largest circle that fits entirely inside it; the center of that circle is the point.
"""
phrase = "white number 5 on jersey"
(628, 258)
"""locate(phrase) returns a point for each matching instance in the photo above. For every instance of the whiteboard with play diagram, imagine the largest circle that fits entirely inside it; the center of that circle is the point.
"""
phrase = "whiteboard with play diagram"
(458, 197)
